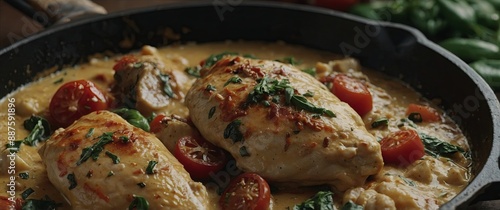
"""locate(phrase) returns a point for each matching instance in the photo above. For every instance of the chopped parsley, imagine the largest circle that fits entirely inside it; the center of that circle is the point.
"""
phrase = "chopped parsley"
(351, 206)
(244, 152)
(380, 122)
(90, 133)
(139, 203)
(308, 94)
(111, 173)
(233, 132)
(35, 204)
(24, 175)
(167, 89)
(141, 184)
(150, 169)
(211, 112)
(210, 88)
(27, 193)
(124, 139)
(233, 80)
(193, 71)
(302, 103)
(436, 147)
(113, 157)
(94, 150)
(72, 181)
(14, 146)
(323, 200)
(214, 58)
(40, 130)
(271, 87)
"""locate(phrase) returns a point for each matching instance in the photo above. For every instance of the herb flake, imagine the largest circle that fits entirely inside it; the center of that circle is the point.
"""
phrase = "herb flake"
(167, 89)
(415, 117)
(72, 181)
(24, 175)
(233, 80)
(150, 169)
(193, 71)
(94, 150)
(244, 152)
(90, 133)
(139, 203)
(211, 112)
(233, 132)
(323, 200)
(27, 193)
(436, 147)
(380, 122)
(141, 184)
(113, 157)
(15, 146)
(39, 130)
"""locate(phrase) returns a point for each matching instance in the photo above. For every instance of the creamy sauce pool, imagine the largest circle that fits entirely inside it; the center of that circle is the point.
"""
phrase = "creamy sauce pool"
(439, 178)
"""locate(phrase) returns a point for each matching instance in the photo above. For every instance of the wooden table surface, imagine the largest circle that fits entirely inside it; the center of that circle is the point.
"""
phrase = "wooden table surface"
(14, 25)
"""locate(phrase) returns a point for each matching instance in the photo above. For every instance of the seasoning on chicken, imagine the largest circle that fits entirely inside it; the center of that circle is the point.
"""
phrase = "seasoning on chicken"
(102, 162)
(282, 124)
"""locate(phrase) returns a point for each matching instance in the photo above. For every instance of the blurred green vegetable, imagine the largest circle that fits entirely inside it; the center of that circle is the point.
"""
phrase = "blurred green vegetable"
(468, 28)
(471, 49)
(489, 70)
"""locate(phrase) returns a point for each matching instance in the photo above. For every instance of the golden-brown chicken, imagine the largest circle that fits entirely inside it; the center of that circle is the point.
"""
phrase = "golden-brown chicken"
(103, 162)
(282, 124)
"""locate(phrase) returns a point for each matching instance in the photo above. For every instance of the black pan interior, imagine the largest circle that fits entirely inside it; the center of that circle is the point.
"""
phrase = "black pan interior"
(394, 50)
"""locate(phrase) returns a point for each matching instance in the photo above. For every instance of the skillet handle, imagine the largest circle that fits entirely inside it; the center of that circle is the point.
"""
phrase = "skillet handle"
(50, 12)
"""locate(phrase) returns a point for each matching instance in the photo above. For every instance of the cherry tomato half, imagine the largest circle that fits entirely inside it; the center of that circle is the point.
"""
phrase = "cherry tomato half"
(155, 125)
(248, 191)
(353, 92)
(199, 156)
(124, 61)
(402, 147)
(428, 114)
(75, 99)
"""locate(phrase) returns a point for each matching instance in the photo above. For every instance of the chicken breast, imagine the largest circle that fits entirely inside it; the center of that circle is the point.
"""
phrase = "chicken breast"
(282, 124)
(102, 162)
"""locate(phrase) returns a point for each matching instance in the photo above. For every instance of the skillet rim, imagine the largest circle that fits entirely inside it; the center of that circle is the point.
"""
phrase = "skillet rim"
(482, 179)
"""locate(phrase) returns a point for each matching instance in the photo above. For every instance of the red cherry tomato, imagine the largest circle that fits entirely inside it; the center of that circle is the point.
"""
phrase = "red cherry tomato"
(124, 61)
(342, 5)
(155, 125)
(246, 192)
(402, 147)
(353, 92)
(75, 99)
(6, 204)
(199, 156)
(428, 113)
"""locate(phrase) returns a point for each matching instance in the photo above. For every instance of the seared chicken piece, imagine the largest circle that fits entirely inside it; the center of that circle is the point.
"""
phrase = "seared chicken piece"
(282, 124)
(174, 128)
(82, 162)
(150, 83)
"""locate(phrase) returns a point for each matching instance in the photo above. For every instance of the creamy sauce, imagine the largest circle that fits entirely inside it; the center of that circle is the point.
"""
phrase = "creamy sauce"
(440, 179)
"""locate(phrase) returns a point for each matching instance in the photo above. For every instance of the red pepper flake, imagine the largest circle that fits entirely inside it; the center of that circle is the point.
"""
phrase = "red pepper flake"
(326, 142)
(138, 171)
(229, 108)
(97, 191)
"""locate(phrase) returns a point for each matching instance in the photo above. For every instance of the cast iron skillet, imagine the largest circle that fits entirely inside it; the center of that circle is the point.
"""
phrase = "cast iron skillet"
(396, 50)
